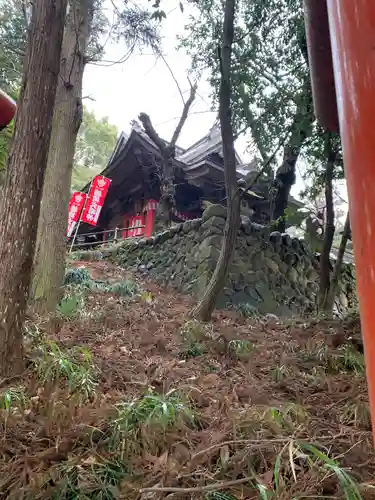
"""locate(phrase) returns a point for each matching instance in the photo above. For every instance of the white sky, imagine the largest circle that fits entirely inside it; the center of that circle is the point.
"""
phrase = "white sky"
(142, 83)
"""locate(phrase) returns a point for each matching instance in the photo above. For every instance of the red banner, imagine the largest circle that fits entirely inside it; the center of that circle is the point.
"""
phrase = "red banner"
(75, 208)
(98, 192)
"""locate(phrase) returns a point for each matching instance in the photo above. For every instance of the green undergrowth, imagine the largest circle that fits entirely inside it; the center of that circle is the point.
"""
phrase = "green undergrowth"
(93, 478)
(86, 255)
(247, 311)
(79, 283)
(153, 412)
(343, 359)
(74, 366)
(195, 337)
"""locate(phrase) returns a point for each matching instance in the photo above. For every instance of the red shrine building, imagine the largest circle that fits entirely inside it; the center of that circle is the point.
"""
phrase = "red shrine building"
(130, 206)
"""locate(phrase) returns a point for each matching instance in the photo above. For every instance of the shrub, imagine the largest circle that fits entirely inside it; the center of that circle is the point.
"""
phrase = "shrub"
(70, 305)
(151, 410)
(125, 288)
(77, 276)
(247, 310)
(75, 366)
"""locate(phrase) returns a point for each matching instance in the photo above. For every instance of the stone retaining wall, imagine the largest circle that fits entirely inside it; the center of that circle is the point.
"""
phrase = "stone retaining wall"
(271, 272)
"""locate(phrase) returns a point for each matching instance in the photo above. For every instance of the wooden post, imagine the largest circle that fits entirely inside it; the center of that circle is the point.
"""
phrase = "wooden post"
(352, 28)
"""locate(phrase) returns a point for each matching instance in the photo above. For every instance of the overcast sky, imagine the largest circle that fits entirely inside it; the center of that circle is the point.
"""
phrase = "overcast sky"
(142, 83)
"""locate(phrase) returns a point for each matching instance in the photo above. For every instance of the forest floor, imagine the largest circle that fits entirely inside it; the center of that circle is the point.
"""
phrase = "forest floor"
(125, 397)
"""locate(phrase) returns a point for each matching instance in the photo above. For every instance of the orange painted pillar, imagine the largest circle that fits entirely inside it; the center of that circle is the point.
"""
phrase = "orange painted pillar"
(352, 30)
(150, 210)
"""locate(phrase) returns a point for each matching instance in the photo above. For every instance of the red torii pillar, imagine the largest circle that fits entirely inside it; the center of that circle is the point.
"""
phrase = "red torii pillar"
(351, 38)
(7, 109)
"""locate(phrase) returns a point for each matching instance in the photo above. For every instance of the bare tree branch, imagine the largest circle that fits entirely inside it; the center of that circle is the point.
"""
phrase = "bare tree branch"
(185, 113)
(159, 53)
(168, 152)
(151, 132)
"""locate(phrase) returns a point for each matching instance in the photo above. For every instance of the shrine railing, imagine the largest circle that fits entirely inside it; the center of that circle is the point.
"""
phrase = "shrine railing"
(99, 238)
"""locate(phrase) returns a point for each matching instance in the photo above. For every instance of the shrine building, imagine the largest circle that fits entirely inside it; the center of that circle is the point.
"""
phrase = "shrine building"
(130, 206)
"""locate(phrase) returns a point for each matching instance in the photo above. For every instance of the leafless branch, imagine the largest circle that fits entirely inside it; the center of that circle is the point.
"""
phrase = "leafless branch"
(151, 132)
(159, 53)
(107, 63)
(185, 113)
(203, 112)
(154, 136)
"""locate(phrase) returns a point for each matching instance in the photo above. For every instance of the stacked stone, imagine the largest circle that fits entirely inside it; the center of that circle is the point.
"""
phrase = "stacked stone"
(270, 271)
(164, 256)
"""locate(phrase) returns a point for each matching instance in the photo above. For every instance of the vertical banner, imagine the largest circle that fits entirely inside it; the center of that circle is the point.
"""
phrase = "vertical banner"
(95, 201)
(75, 208)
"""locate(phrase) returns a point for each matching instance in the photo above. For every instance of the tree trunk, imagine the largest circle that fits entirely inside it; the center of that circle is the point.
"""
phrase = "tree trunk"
(167, 199)
(20, 205)
(205, 307)
(285, 176)
(338, 266)
(49, 264)
(329, 230)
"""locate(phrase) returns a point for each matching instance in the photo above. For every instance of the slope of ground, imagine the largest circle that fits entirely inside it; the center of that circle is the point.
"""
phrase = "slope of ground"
(125, 397)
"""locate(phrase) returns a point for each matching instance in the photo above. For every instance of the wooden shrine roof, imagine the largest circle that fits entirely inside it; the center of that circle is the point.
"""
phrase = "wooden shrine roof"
(133, 162)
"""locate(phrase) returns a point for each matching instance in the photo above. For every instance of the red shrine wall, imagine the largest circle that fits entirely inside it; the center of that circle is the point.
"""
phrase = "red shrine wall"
(140, 221)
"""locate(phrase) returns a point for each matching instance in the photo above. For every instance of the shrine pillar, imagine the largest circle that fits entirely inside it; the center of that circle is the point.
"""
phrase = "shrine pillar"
(352, 25)
(150, 209)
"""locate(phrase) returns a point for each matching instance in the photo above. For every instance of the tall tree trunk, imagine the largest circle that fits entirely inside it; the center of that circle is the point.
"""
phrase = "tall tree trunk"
(49, 264)
(329, 230)
(205, 307)
(285, 176)
(328, 306)
(20, 205)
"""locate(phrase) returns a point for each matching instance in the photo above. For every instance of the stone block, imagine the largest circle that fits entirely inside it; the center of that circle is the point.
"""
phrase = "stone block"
(175, 229)
(164, 236)
(207, 252)
(276, 239)
(196, 223)
(272, 265)
(295, 245)
(290, 259)
(293, 275)
(252, 294)
(210, 225)
(206, 267)
(214, 211)
(286, 239)
(214, 241)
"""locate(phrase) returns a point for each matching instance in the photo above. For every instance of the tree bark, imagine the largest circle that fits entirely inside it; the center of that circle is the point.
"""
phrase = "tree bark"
(205, 307)
(328, 306)
(285, 176)
(329, 230)
(49, 264)
(20, 205)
